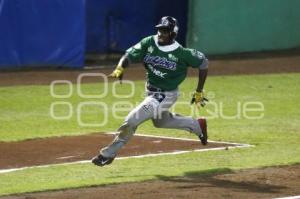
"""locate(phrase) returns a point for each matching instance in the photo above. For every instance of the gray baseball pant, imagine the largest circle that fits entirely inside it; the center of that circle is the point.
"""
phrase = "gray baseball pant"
(155, 106)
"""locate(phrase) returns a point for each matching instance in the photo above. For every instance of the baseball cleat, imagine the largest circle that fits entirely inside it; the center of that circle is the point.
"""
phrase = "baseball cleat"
(203, 126)
(100, 160)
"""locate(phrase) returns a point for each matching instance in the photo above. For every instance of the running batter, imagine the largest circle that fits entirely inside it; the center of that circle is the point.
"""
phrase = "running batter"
(166, 62)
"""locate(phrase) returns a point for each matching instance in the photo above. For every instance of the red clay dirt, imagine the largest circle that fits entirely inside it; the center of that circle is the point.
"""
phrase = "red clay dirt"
(263, 183)
(259, 64)
(254, 183)
(75, 148)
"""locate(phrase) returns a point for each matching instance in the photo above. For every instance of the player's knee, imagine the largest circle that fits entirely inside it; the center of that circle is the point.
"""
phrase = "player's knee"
(131, 123)
(158, 123)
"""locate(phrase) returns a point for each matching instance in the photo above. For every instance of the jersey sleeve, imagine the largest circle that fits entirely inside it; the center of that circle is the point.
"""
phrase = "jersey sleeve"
(196, 59)
(137, 52)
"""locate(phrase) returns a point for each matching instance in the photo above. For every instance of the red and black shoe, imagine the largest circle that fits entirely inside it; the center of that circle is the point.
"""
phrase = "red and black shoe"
(203, 126)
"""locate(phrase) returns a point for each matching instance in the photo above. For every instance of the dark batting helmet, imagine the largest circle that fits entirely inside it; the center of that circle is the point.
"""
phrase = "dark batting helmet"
(169, 23)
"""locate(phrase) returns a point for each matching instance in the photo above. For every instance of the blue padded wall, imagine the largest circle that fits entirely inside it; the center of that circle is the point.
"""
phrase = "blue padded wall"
(115, 25)
(39, 33)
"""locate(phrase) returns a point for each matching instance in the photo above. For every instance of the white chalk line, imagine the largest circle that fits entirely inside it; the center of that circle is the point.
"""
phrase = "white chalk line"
(290, 197)
(185, 139)
(237, 145)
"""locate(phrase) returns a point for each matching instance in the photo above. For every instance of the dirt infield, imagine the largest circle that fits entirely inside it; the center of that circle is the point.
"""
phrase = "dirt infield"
(223, 183)
(75, 148)
(255, 64)
(272, 182)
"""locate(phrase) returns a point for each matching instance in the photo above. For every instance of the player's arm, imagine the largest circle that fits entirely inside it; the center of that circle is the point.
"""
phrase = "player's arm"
(133, 54)
(203, 70)
(123, 63)
(198, 96)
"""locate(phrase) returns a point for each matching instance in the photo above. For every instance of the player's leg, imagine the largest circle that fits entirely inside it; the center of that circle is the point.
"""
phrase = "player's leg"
(141, 113)
(175, 121)
(167, 119)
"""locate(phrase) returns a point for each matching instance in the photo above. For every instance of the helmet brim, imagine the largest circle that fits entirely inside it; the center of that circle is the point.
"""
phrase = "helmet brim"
(162, 26)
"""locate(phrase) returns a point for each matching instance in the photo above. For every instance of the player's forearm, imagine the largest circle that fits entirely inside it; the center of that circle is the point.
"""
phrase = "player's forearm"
(201, 79)
(124, 61)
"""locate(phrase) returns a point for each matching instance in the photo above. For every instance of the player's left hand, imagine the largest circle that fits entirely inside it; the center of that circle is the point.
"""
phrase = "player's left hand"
(199, 98)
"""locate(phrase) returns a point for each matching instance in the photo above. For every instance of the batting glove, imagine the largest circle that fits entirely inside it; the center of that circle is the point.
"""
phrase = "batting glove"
(198, 98)
(117, 73)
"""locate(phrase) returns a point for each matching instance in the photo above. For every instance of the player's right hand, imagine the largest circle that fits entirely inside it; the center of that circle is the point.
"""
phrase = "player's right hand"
(117, 73)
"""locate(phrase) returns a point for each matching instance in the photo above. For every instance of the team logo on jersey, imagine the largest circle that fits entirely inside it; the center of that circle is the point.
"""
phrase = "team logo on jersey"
(156, 72)
(150, 49)
(161, 62)
(172, 57)
(137, 46)
(197, 54)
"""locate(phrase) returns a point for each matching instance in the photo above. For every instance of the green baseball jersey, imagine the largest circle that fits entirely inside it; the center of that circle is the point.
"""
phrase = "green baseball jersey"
(166, 65)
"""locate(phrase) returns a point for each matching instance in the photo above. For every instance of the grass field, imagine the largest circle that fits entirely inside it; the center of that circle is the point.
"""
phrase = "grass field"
(25, 114)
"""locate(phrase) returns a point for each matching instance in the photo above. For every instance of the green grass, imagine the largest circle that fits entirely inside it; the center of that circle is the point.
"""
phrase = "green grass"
(25, 115)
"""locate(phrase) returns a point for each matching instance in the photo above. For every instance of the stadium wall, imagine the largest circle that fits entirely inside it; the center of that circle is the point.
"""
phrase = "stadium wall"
(116, 25)
(37, 33)
(234, 26)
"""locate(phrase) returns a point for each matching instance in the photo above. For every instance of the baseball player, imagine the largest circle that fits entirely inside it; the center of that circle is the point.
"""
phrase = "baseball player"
(166, 62)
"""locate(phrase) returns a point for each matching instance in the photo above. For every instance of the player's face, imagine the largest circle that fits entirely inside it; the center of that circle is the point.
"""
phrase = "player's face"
(163, 36)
